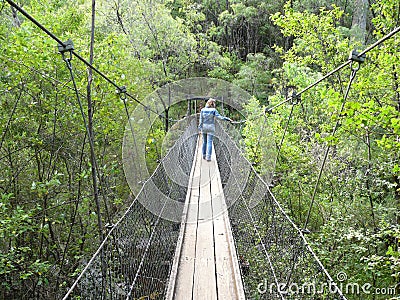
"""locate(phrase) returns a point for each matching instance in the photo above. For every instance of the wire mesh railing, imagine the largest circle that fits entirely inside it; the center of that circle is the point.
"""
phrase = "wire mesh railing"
(135, 258)
(275, 259)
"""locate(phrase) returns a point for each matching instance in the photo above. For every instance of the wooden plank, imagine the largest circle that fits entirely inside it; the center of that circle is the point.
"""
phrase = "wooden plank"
(225, 278)
(180, 286)
(184, 282)
(204, 286)
(186, 270)
(205, 266)
(227, 269)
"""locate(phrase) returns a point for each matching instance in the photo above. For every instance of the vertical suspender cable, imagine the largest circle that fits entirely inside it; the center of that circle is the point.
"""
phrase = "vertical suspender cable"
(10, 118)
(93, 162)
(352, 76)
(295, 99)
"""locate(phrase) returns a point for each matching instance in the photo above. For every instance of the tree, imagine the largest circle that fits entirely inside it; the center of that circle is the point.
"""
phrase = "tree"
(359, 23)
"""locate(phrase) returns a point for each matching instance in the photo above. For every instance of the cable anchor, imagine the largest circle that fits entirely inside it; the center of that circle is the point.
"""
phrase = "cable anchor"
(296, 99)
(121, 91)
(355, 56)
(268, 110)
(67, 46)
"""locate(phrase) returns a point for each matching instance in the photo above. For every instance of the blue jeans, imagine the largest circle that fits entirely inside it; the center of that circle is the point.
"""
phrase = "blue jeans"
(207, 145)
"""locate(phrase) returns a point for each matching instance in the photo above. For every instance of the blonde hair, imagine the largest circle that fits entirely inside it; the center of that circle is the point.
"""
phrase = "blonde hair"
(210, 102)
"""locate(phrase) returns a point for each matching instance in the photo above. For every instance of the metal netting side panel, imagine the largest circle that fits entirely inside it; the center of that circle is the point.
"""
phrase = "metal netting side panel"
(135, 259)
(274, 258)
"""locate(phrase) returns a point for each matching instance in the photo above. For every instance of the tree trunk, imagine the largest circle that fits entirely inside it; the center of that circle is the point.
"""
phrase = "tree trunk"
(90, 127)
(16, 21)
(359, 23)
(396, 101)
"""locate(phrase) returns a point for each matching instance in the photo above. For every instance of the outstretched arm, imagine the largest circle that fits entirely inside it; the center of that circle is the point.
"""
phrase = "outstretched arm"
(217, 114)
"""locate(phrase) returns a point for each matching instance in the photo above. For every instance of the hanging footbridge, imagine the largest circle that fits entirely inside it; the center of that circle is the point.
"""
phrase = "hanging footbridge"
(234, 241)
(231, 238)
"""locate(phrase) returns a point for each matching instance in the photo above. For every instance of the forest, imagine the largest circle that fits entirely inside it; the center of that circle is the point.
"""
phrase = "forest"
(337, 170)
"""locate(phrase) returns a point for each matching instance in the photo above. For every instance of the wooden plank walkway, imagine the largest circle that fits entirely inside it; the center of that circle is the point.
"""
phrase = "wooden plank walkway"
(205, 264)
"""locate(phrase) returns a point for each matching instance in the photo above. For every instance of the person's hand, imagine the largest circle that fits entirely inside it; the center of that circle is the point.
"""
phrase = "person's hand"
(237, 122)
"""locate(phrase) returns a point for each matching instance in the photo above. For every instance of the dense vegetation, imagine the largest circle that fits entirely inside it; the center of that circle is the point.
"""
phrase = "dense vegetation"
(56, 195)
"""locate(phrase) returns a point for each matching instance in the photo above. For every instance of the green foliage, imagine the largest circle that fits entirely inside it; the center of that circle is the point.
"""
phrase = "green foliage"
(355, 217)
(155, 36)
(255, 75)
(317, 40)
(17, 260)
(243, 26)
(258, 139)
(225, 67)
(365, 256)
(47, 213)
(153, 146)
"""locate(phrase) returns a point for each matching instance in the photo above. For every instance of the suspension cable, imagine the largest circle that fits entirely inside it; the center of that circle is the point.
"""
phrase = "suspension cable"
(351, 58)
(68, 46)
(386, 37)
(40, 73)
(122, 96)
(261, 237)
(354, 56)
(64, 44)
(10, 118)
(296, 99)
(260, 135)
(352, 76)
(310, 86)
(67, 61)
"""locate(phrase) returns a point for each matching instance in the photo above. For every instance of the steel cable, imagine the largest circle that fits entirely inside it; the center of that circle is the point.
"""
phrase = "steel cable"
(352, 76)
(272, 250)
(140, 247)
(54, 37)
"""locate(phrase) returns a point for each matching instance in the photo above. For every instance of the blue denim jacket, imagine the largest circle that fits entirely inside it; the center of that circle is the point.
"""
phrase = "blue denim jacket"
(207, 119)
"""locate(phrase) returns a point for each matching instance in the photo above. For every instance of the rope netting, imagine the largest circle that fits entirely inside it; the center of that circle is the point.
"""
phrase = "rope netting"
(135, 258)
(275, 260)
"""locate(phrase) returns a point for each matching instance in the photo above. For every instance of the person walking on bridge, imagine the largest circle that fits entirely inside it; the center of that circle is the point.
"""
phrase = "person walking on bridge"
(207, 126)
